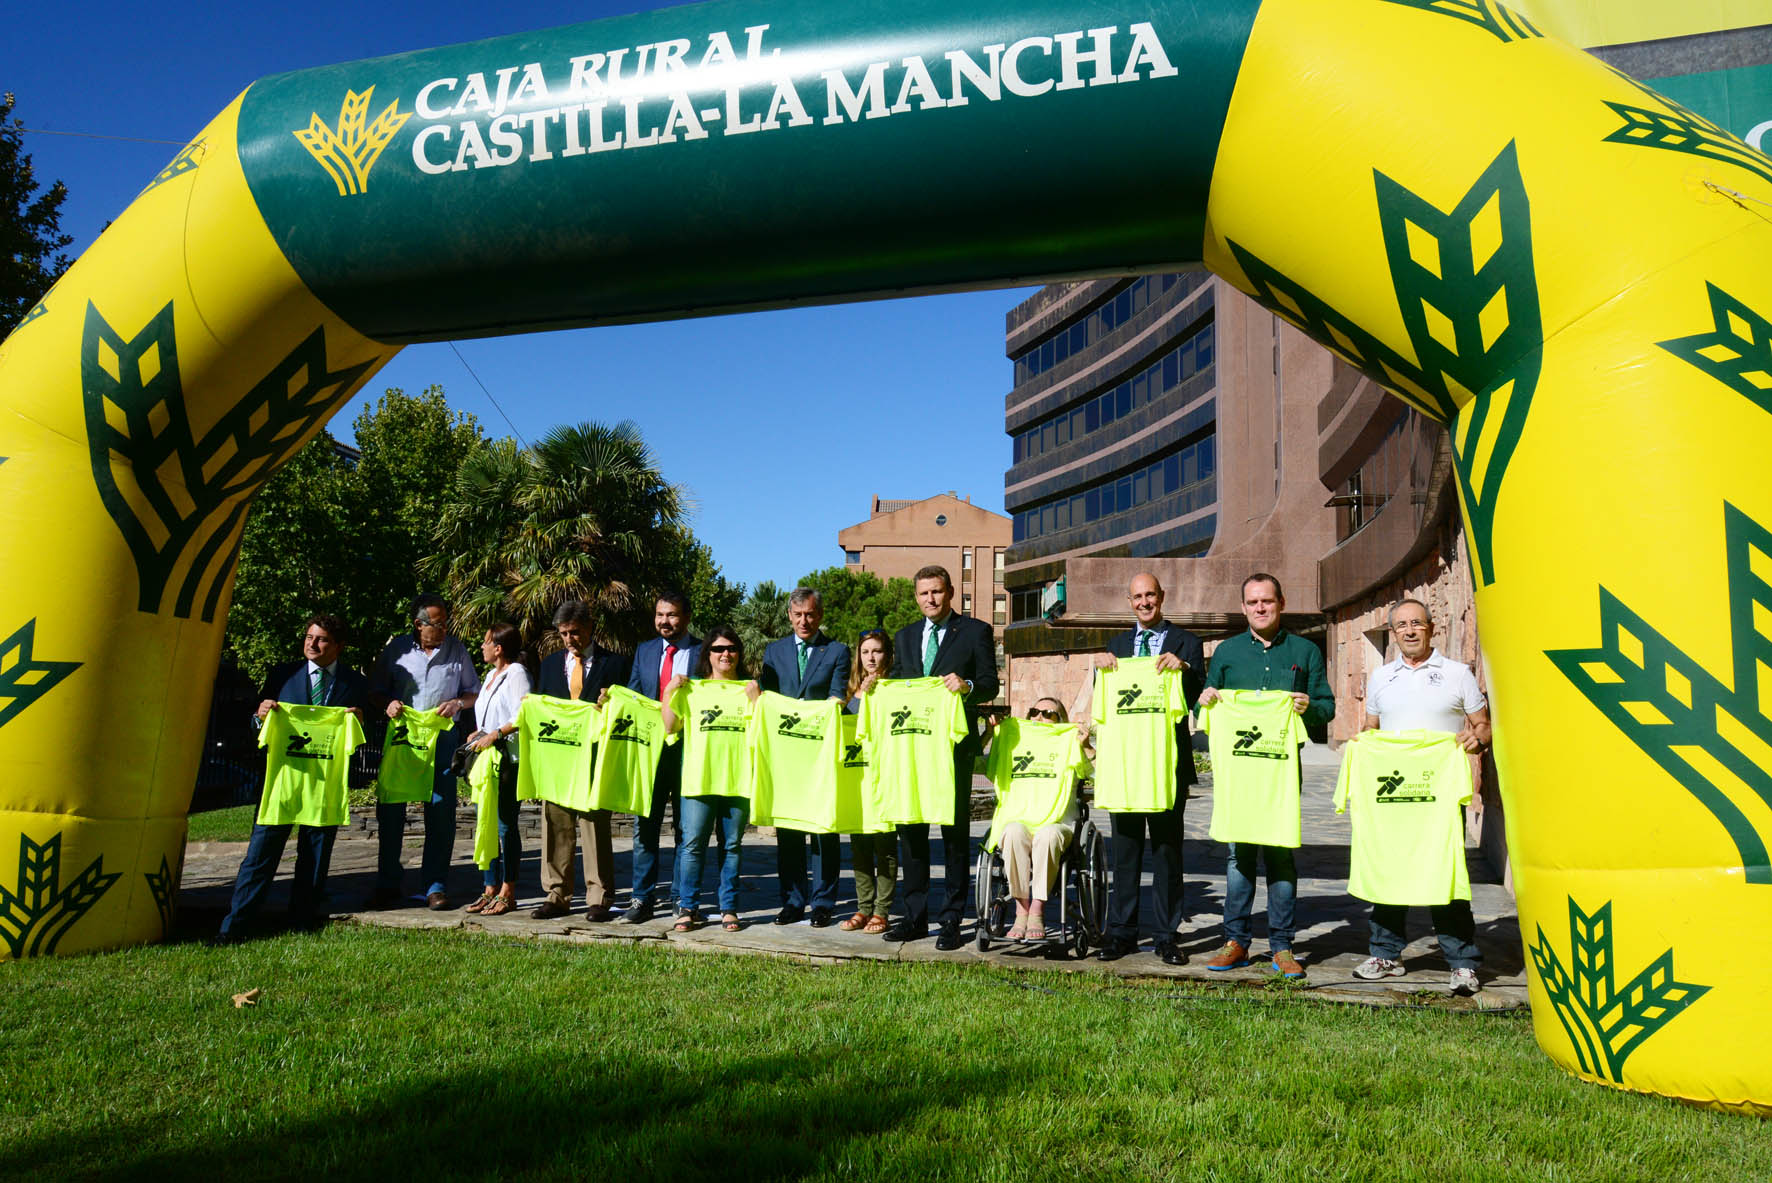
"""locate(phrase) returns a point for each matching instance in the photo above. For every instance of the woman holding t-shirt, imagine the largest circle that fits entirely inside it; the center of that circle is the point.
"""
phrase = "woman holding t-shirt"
(712, 711)
(501, 694)
(872, 857)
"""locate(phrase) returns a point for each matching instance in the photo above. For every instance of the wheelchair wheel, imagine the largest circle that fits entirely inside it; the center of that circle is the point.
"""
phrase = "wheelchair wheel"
(986, 902)
(1092, 885)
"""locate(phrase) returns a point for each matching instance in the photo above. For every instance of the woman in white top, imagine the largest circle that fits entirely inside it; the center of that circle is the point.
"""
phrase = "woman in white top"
(501, 694)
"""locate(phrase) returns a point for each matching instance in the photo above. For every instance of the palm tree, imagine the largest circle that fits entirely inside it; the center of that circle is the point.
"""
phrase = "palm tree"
(761, 619)
(577, 515)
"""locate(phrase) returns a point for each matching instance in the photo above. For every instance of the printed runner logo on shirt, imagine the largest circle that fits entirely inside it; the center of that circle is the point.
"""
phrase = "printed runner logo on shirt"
(298, 748)
(1253, 744)
(1395, 789)
(719, 719)
(552, 731)
(912, 721)
(803, 727)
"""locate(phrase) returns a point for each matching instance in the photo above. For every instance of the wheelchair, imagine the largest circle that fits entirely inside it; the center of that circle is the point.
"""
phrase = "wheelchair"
(1082, 895)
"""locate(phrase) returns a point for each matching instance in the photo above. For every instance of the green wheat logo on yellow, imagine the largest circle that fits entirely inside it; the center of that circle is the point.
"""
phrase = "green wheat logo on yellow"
(349, 153)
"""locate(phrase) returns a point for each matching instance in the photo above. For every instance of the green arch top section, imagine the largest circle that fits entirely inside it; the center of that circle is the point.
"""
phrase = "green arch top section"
(744, 154)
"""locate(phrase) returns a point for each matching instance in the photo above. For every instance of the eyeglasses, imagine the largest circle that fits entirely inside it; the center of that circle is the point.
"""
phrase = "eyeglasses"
(722, 648)
(1037, 713)
(426, 622)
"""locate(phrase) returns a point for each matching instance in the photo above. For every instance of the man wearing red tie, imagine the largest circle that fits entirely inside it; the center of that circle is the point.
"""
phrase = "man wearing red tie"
(582, 669)
(673, 652)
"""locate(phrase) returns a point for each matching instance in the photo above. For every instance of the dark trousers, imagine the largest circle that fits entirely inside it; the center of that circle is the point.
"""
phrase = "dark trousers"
(790, 862)
(665, 786)
(1167, 884)
(956, 843)
(307, 893)
(1453, 925)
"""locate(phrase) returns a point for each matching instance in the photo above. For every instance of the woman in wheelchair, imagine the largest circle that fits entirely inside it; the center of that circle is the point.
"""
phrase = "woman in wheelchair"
(1036, 765)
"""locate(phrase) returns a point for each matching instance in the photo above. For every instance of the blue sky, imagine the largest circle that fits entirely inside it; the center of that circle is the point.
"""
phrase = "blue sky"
(756, 414)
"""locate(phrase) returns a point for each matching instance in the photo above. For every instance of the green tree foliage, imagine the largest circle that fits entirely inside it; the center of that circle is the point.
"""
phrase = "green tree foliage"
(761, 619)
(689, 567)
(30, 226)
(858, 600)
(583, 514)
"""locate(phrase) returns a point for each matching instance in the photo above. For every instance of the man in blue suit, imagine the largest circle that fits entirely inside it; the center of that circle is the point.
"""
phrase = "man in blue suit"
(672, 653)
(808, 666)
(319, 679)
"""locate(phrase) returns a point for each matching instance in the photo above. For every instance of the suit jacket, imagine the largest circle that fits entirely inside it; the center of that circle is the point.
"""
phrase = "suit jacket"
(1186, 646)
(827, 668)
(643, 678)
(606, 669)
(966, 650)
(289, 683)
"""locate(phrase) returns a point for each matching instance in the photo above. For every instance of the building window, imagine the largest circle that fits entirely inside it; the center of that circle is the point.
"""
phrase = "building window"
(852, 556)
(966, 603)
(941, 519)
(1000, 610)
(1189, 469)
(966, 559)
(998, 564)
(1115, 309)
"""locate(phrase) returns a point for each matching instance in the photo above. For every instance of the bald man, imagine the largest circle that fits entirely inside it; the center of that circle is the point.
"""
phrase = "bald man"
(1175, 649)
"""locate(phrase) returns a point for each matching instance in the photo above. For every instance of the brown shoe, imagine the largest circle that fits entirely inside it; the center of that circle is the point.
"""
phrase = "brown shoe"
(549, 909)
(1287, 965)
(436, 901)
(599, 913)
(877, 925)
(1232, 956)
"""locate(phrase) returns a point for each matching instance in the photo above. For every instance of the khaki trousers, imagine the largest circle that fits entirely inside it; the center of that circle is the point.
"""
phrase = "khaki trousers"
(1033, 857)
(561, 830)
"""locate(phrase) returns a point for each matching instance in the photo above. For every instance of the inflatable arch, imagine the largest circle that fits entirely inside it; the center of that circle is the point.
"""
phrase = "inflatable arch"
(1570, 271)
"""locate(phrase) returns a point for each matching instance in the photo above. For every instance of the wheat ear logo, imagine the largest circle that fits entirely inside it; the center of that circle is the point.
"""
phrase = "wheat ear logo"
(349, 153)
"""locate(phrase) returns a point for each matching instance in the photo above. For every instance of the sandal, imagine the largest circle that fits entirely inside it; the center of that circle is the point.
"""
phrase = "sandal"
(688, 920)
(1035, 932)
(1019, 932)
(856, 921)
(730, 922)
(481, 904)
(500, 905)
(877, 925)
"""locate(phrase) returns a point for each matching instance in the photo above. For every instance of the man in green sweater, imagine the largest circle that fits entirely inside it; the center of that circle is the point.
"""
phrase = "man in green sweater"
(1267, 657)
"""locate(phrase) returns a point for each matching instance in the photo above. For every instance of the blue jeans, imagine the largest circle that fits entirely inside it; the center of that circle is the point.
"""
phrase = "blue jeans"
(390, 820)
(1453, 924)
(790, 862)
(307, 893)
(1239, 893)
(504, 868)
(699, 816)
(646, 829)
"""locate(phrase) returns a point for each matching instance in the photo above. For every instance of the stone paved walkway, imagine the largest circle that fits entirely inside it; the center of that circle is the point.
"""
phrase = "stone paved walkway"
(1331, 937)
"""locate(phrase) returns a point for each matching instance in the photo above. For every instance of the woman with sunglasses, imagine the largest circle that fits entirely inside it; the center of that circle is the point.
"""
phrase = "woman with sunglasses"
(712, 710)
(872, 857)
(1036, 816)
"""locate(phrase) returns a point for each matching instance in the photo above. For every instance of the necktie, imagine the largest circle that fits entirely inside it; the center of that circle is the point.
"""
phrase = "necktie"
(575, 675)
(801, 646)
(664, 669)
(930, 644)
(1144, 643)
(317, 688)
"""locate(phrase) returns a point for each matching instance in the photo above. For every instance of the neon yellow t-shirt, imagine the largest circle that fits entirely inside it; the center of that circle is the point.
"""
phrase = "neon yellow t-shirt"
(1135, 710)
(859, 808)
(628, 747)
(409, 756)
(483, 791)
(1036, 767)
(556, 744)
(713, 718)
(1405, 789)
(1254, 737)
(796, 751)
(307, 765)
(909, 727)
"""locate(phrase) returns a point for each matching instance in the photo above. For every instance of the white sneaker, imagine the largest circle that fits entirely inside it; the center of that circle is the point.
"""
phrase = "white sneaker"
(1374, 968)
(1464, 982)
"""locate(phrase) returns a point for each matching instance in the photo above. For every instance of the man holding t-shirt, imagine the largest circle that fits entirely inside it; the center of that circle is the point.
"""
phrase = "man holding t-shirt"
(1267, 657)
(1421, 689)
(958, 650)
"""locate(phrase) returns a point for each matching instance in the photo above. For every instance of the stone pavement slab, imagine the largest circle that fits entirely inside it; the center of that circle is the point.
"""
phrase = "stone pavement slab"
(1331, 936)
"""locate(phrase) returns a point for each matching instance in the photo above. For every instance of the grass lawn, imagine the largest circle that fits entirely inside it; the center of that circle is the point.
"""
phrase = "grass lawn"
(223, 825)
(389, 1055)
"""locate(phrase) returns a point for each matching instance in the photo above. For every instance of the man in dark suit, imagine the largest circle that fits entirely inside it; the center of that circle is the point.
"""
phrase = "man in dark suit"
(959, 650)
(1175, 649)
(671, 654)
(808, 666)
(580, 671)
(319, 679)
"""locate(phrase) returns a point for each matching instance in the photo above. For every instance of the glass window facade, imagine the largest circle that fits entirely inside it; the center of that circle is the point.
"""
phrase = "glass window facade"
(1191, 467)
(1114, 311)
(1157, 379)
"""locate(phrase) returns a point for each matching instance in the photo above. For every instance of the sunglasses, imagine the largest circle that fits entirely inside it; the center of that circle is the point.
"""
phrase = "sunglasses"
(1037, 713)
(722, 648)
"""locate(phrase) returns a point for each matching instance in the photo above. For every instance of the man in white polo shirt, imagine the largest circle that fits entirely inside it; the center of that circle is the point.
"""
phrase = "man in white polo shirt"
(1421, 689)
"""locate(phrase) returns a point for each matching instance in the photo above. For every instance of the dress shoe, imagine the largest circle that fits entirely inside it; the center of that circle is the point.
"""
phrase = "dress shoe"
(1114, 948)
(599, 913)
(1168, 954)
(904, 931)
(548, 910)
(949, 940)
(436, 901)
(821, 918)
(794, 916)
(1233, 955)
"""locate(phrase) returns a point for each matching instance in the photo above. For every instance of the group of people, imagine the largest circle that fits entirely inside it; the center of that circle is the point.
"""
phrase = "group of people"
(430, 670)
